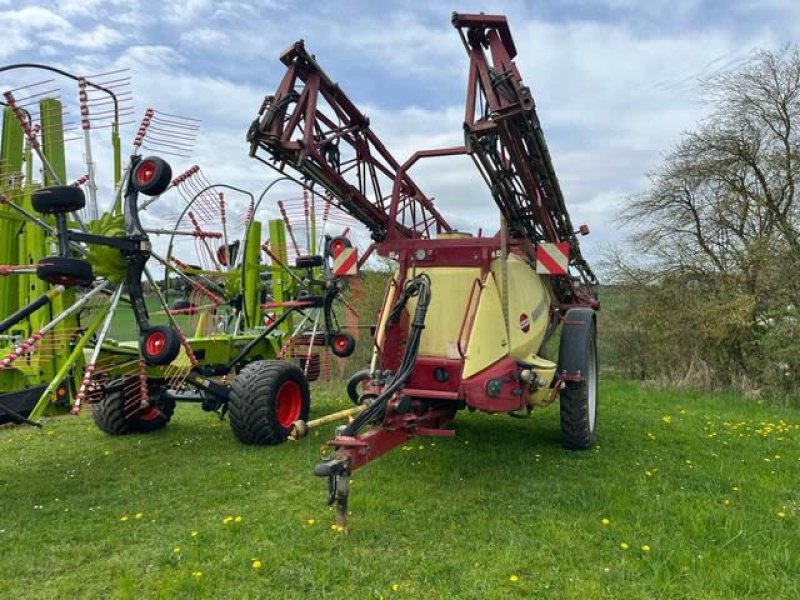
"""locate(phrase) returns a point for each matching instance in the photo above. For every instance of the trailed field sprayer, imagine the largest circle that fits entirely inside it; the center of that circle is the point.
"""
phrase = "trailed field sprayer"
(266, 311)
(464, 317)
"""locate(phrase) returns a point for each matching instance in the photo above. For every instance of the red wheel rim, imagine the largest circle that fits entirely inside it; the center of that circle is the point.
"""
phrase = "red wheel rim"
(340, 343)
(149, 414)
(337, 246)
(288, 403)
(145, 173)
(64, 280)
(222, 256)
(155, 343)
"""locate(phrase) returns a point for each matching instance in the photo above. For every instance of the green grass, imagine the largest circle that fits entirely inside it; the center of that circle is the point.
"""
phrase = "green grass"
(441, 518)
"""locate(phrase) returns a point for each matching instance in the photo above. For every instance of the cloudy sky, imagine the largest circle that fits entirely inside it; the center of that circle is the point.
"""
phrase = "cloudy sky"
(615, 80)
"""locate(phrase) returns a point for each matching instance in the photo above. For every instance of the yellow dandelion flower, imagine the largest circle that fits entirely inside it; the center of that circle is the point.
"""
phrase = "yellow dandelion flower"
(514, 578)
(237, 519)
(176, 550)
(605, 521)
(667, 419)
(781, 514)
(138, 515)
(726, 502)
(624, 546)
(645, 548)
(648, 473)
(124, 518)
(395, 587)
(227, 520)
(197, 574)
(256, 564)
(195, 533)
(312, 522)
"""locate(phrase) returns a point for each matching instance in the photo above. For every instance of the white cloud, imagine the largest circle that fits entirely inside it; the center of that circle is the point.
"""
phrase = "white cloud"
(21, 28)
(612, 96)
(98, 38)
(203, 36)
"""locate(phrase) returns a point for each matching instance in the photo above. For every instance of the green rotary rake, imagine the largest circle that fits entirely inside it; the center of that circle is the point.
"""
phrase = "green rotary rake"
(72, 277)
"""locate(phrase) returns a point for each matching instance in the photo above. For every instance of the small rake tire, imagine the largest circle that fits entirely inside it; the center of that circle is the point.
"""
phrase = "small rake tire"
(151, 176)
(61, 270)
(342, 344)
(109, 412)
(58, 199)
(267, 396)
(578, 399)
(160, 345)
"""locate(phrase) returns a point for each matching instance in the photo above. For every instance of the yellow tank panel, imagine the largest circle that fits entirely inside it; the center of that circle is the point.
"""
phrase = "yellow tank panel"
(487, 341)
(450, 289)
(528, 305)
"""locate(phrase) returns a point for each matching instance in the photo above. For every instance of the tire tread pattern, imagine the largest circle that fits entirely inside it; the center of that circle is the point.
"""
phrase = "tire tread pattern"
(576, 430)
(252, 402)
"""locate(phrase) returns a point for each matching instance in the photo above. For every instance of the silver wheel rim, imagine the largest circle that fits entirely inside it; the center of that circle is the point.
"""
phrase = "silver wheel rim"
(591, 385)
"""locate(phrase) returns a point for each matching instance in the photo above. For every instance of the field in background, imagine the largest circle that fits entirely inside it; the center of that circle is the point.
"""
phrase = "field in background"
(686, 496)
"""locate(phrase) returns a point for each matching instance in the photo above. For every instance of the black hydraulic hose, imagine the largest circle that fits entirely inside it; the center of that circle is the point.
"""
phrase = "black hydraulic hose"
(421, 286)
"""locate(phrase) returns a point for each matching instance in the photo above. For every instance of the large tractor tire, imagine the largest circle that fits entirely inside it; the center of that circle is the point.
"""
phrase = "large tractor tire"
(267, 396)
(578, 398)
(112, 417)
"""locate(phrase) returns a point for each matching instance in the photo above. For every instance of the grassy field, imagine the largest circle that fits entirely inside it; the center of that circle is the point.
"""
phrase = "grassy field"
(686, 496)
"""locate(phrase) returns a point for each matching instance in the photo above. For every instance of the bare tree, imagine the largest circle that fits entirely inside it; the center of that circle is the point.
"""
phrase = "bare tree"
(721, 216)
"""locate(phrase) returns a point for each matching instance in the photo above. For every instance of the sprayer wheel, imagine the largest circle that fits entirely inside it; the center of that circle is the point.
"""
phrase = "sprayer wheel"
(267, 396)
(112, 416)
(578, 399)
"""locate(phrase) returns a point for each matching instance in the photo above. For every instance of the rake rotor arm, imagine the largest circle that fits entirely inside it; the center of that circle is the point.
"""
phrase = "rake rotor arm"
(312, 126)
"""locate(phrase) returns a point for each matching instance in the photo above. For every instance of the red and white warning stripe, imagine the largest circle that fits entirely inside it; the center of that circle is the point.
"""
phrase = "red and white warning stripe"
(552, 258)
(345, 260)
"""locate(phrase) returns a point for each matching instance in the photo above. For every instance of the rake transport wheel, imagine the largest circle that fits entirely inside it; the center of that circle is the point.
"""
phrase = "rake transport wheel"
(60, 270)
(151, 176)
(578, 399)
(160, 345)
(267, 396)
(114, 416)
(59, 199)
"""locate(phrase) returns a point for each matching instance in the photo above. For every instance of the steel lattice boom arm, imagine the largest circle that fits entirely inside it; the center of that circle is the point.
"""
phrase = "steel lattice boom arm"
(311, 125)
(503, 134)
